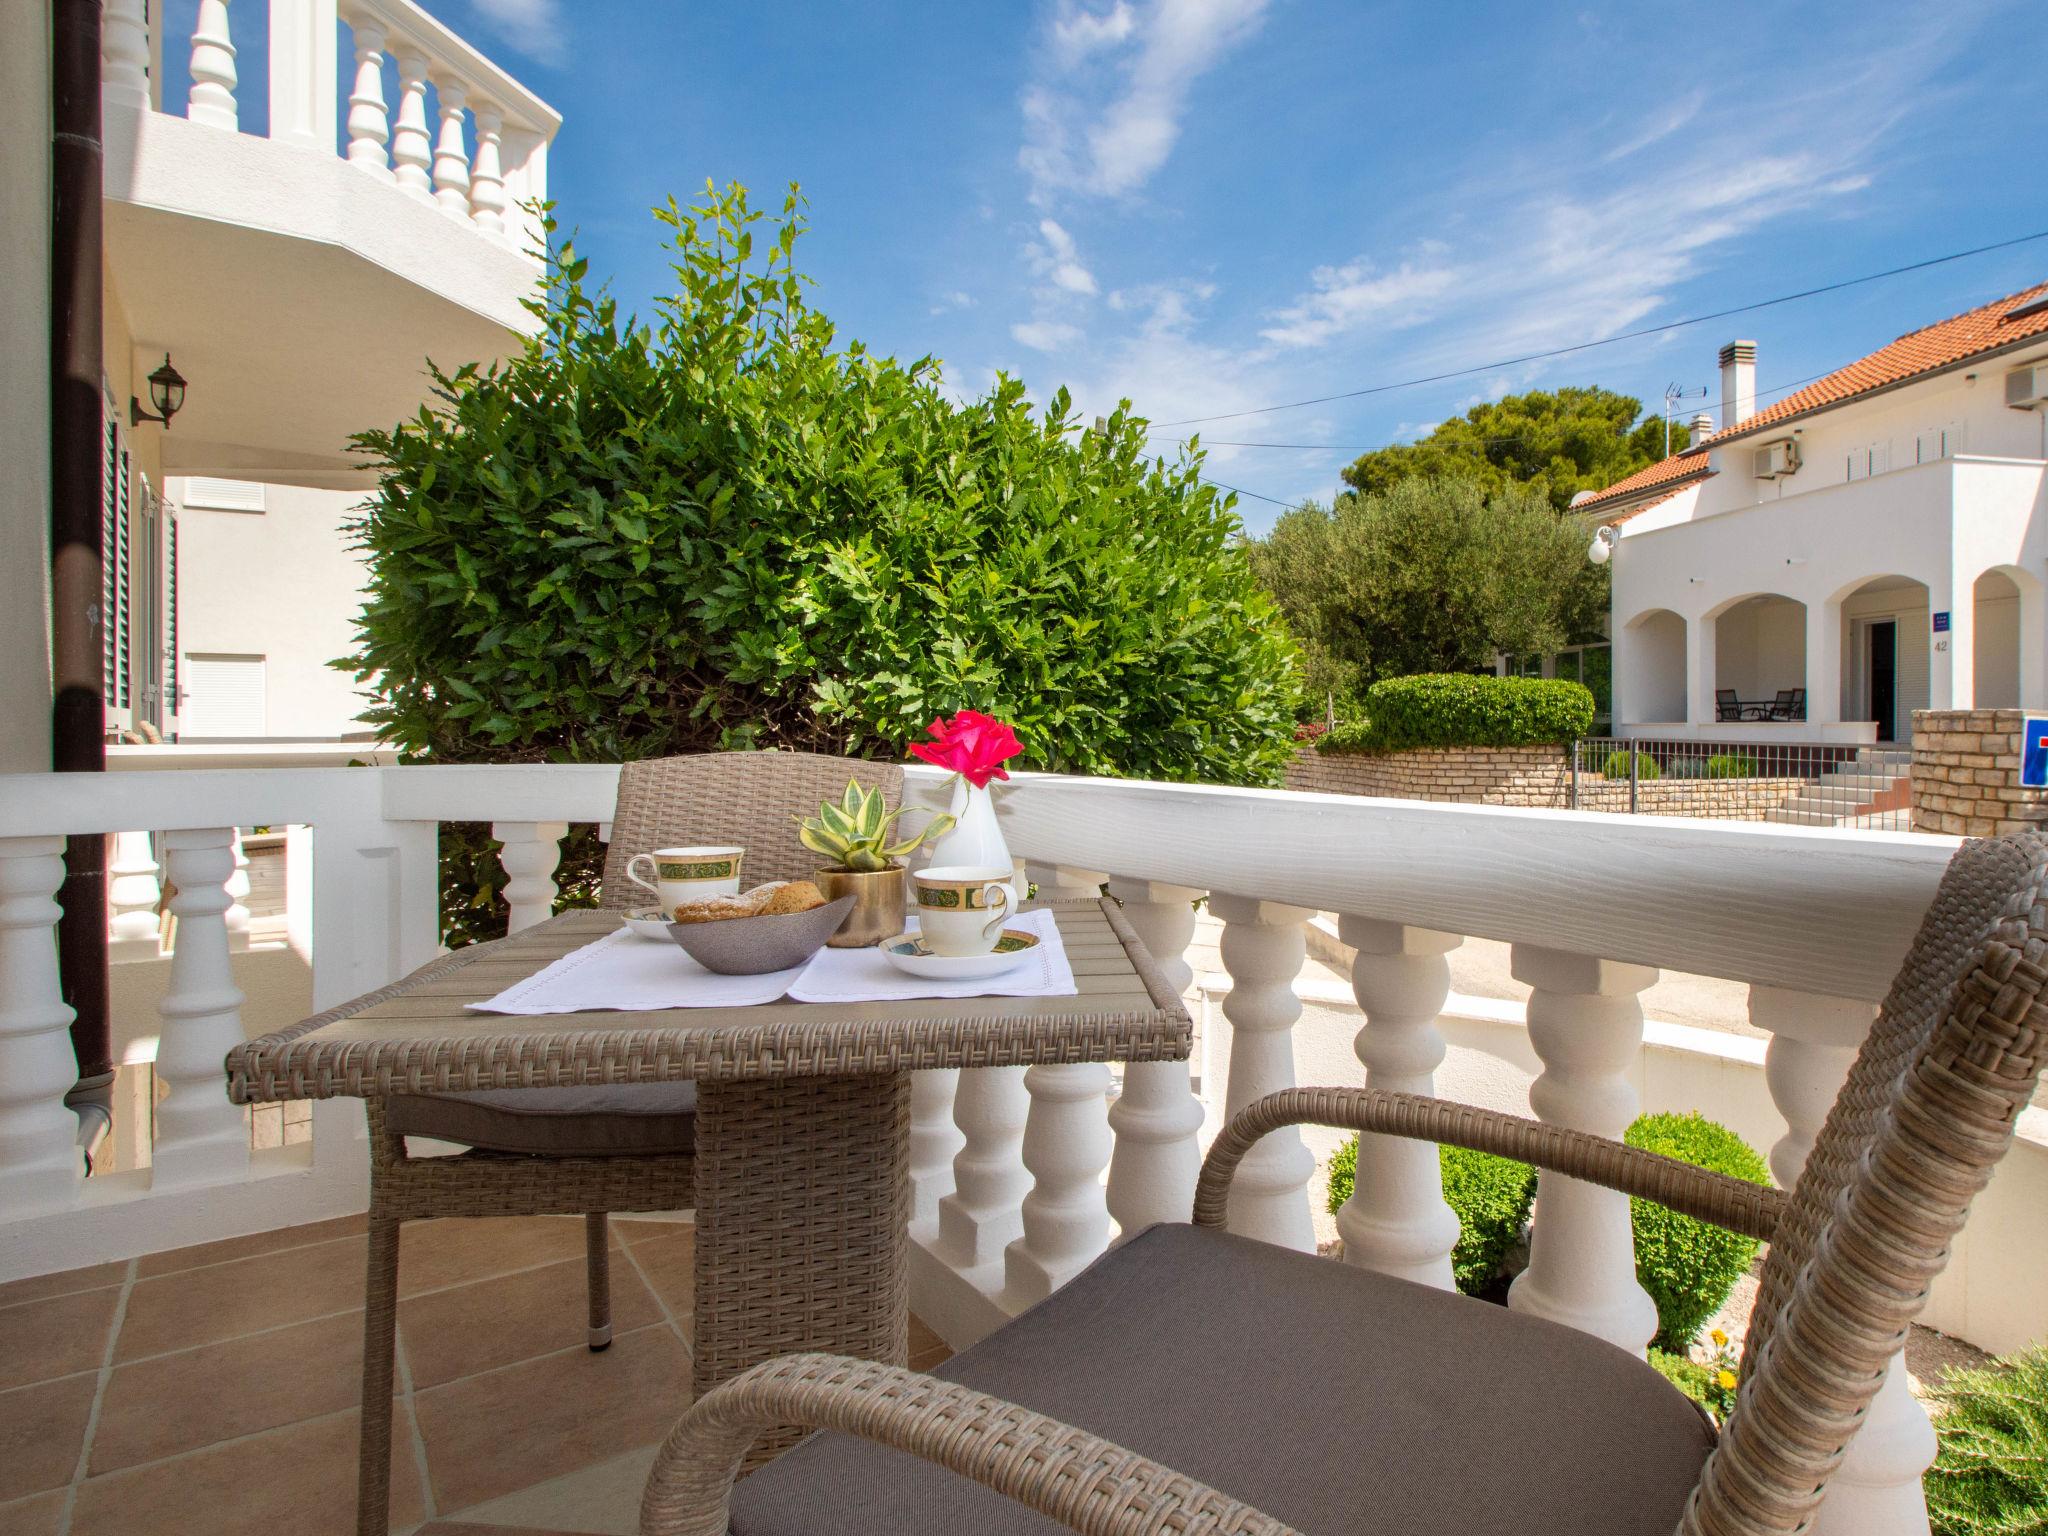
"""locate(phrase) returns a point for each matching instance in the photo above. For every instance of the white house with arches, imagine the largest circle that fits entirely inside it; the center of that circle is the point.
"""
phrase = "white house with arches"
(1872, 544)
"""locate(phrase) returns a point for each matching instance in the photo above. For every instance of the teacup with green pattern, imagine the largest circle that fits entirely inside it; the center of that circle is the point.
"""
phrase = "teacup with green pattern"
(683, 875)
(961, 908)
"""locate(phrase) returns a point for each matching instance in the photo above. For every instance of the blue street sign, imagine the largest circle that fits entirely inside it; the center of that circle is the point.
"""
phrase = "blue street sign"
(2034, 759)
(1941, 622)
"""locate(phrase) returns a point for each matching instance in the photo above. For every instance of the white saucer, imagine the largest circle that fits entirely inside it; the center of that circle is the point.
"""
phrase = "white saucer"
(907, 953)
(648, 923)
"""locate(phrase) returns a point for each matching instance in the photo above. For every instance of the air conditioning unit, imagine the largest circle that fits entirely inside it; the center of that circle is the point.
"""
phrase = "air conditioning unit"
(2026, 389)
(1775, 460)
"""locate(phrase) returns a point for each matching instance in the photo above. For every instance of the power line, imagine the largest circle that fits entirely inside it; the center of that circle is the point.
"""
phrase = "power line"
(1608, 341)
(1238, 490)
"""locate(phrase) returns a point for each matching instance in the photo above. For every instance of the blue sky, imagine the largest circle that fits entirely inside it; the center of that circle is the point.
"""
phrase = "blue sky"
(1210, 205)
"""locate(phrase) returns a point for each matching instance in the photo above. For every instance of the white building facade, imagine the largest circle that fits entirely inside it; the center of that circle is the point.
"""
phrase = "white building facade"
(1870, 545)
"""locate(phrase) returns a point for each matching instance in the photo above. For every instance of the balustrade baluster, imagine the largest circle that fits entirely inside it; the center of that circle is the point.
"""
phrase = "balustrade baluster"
(212, 100)
(1586, 1025)
(934, 1142)
(983, 1214)
(1156, 1120)
(369, 124)
(1263, 950)
(134, 894)
(124, 54)
(1813, 1045)
(487, 182)
(200, 1136)
(40, 1165)
(531, 852)
(237, 915)
(451, 154)
(1396, 1220)
(411, 145)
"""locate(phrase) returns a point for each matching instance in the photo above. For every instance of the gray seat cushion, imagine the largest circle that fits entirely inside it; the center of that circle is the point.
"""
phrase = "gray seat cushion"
(612, 1119)
(1332, 1398)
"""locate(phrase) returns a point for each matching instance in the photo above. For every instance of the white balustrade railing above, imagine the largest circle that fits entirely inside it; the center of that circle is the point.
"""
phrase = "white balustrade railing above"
(1021, 1177)
(403, 58)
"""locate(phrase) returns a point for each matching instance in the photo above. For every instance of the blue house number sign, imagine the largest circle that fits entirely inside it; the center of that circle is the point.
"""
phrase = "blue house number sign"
(2034, 759)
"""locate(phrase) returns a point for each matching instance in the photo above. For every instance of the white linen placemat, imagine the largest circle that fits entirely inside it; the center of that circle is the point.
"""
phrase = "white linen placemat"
(864, 976)
(624, 971)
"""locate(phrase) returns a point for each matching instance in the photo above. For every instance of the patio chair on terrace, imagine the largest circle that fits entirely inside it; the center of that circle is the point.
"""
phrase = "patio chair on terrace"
(1727, 704)
(1321, 1397)
(579, 1151)
(1790, 704)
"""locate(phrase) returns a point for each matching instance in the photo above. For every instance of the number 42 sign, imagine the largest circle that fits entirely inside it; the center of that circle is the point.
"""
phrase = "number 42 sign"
(2034, 753)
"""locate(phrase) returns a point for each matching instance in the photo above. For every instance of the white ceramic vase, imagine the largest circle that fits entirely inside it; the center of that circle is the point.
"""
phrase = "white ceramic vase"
(976, 840)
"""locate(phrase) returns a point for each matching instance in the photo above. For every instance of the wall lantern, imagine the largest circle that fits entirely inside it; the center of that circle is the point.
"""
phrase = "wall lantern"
(1602, 547)
(166, 393)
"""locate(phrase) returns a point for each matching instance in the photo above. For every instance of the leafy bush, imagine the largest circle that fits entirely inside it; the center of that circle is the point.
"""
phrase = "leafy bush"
(1616, 765)
(1347, 736)
(1731, 765)
(725, 529)
(1491, 1196)
(1688, 1266)
(1711, 1384)
(1454, 710)
(1990, 1477)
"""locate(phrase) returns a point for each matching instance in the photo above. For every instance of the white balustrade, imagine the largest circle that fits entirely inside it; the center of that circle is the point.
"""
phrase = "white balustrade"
(412, 147)
(303, 69)
(124, 54)
(135, 928)
(451, 154)
(236, 918)
(1813, 1045)
(1586, 1025)
(487, 178)
(934, 1142)
(212, 99)
(983, 1214)
(1396, 1220)
(40, 1166)
(369, 122)
(200, 1136)
(1263, 950)
(532, 850)
(1156, 1120)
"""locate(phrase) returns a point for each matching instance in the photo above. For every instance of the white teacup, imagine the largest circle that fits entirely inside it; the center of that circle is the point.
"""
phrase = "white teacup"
(683, 875)
(961, 908)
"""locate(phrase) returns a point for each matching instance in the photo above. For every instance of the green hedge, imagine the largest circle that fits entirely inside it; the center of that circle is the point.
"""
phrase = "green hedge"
(1454, 710)
(1491, 1196)
(1990, 1477)
(1616, 766)
(1687, 1266)
(1731, 765)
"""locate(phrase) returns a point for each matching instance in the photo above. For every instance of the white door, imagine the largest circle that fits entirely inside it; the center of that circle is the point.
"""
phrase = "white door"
(223, 697)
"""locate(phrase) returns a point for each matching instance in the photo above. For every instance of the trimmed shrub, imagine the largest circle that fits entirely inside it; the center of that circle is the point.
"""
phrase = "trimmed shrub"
(1688, 1266)
(1731, 765)
(1616, 766)
(1990, 1477)
(1491, 1196)
(1454, 710)
(1350, 736)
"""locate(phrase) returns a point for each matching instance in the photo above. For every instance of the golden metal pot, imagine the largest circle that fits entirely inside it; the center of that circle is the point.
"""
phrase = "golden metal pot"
(878, 904)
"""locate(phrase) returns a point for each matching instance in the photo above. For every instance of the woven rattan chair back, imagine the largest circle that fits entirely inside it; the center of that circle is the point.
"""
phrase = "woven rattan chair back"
(747, 798)
(1927, 1112)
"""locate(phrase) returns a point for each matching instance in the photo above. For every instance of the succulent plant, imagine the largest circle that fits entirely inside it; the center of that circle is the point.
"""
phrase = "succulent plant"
(854, 834)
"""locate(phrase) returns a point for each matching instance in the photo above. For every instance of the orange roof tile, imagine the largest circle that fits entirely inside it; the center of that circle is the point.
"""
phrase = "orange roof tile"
(1666, 475)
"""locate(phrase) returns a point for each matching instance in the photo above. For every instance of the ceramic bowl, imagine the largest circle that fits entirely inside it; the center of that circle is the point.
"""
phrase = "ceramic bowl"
(754, 946)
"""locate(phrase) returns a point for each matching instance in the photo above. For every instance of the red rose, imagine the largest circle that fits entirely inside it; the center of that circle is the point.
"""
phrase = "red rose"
(971, 744)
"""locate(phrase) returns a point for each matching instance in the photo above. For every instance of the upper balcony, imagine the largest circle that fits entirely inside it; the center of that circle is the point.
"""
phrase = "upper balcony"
(358, 238)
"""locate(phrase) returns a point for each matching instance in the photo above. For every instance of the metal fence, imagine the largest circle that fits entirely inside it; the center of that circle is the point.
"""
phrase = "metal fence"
(1811, 784)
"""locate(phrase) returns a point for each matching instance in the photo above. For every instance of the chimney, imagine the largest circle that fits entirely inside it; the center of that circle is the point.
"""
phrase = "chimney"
(1702, 428)
(1738, 383)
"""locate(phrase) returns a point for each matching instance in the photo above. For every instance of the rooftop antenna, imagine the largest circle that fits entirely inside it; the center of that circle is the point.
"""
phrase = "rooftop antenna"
(1673, 393)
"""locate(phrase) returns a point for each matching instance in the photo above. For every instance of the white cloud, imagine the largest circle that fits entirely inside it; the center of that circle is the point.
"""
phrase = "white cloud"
(1109, 114)
(1046, 335)
(1659, 126)
(947, 302)
(1058, 260)
(1343, 298)
(533, 27)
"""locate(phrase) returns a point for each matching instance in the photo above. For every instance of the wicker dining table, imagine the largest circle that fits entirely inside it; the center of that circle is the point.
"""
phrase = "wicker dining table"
(803, 1109)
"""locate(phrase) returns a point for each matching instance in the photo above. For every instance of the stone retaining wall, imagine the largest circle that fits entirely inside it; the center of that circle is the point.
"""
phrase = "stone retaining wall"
(1528, 776)
(1966, 773)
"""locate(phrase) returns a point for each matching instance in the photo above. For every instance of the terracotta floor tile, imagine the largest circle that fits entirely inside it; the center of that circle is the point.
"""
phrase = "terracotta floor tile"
(464, 1528)
(181, 1402)
(41, 1515)
(437, 1253)
(506, 1430)
(57, 1336)
(927, 1349)
(202, 1306)
(36, 1287)
(667, 1263)
(638, 1229)
(246, 1247)
(300, 1479)
(508, 1318)
(599, 1500)
(41, 1430)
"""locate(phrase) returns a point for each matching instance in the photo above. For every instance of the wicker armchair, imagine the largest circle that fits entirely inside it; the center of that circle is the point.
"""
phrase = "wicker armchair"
(577, 1151)
(1404, 1409)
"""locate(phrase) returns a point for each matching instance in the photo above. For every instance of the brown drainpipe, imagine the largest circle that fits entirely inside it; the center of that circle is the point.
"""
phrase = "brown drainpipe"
(78, 725)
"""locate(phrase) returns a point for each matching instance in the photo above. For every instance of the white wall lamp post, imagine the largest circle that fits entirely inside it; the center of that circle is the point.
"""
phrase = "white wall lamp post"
(1601, 550)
